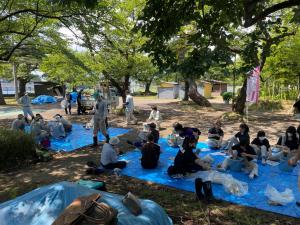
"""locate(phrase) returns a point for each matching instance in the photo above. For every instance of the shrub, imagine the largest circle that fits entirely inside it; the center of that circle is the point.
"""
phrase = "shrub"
(227, 96)
(16, 148)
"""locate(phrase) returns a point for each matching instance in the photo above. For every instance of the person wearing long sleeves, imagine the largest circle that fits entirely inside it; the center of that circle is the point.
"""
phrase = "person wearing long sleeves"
(19, 123)
(129, 109)
(155, 117)
(100, 114)
(25, 101)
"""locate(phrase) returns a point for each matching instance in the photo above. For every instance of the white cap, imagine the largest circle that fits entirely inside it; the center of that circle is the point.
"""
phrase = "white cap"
(114, 141)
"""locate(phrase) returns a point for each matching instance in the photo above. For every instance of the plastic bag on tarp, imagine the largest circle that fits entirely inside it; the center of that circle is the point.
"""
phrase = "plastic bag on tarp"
(282, 198)
(230, 184)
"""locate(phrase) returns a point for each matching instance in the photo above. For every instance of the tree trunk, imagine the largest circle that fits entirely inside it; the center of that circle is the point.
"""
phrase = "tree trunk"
(2, 100)
(147, 88)
(186, 90)
(22, 87)
(125, 87)
(196, 96)
(239, 105)
(14, 70)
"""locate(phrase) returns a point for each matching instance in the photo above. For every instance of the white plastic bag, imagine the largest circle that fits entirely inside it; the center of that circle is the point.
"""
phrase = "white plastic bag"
(281, 198)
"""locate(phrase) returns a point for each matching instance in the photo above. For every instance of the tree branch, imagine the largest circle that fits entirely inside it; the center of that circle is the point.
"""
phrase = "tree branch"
(249, 20)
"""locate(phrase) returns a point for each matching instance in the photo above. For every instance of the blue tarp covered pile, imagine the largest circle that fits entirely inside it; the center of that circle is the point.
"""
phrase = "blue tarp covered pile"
(43, 99)
(256, 188)
(81, 137)
(43, 205)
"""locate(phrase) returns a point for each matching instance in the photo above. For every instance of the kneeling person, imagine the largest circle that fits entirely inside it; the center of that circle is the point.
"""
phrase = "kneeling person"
(150, 154)
(109, 155)
(19, 123)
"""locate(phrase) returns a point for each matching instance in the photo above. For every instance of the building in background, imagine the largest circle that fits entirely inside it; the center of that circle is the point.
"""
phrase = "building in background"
(168, 90)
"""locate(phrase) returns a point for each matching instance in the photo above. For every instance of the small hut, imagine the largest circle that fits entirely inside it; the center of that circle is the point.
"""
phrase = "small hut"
(168, 90)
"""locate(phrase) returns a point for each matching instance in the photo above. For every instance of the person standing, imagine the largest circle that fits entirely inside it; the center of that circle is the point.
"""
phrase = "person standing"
(26, 104)
(129, 109)
(100, 114)
(79, 111)
(69, 103)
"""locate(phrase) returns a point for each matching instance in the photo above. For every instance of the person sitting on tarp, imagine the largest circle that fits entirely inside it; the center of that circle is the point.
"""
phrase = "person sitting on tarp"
(109, 155)
(19, 123)
(286, 146)
(245, 153)
(100, 114)
(261, 146)
(187, 161)
(150, 154)
(215, 135)
(38, 130)
(293, 162)
(67, 124)
(243, 134)
(180, 132)
(57, 129)
(155, 117)
(296, 107)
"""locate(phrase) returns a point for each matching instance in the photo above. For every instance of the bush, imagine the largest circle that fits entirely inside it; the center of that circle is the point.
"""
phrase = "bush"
(227, 96)
(141, 93)
(266, 105)
(16, 148)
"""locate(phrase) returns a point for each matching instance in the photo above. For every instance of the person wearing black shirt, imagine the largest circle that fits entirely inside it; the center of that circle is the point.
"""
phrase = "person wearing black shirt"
(215, 135)
(242, 135)
(245, 152)
(287, 144)
(261, 145)
(150, 154)
(79, 107)
(186, 161)
(154, 132)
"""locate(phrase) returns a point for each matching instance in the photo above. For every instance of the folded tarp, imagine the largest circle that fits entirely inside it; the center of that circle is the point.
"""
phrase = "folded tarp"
(43, 205)
(271, 175)
(80, 137)
(43, 99)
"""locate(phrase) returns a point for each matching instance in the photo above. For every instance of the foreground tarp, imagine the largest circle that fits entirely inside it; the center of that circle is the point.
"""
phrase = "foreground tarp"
(81, 137)
(255, 198)
(43, 205)
(43, 99)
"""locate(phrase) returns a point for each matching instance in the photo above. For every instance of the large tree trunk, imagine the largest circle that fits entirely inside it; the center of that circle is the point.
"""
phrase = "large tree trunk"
(239, 104)
(2, 100)
(22, 87)
(147, 88)
(196, 96)
(186, 90)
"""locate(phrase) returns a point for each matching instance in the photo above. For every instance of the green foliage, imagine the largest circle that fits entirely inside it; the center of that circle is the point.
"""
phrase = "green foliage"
(16, 148)
(227, 96)
(266, 106)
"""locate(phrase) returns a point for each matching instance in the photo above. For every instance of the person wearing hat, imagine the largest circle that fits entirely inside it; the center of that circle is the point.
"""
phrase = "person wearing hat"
(100, 114)
(129, 108)
(155, 116)
(215, 135)
(57, 129)
(26, 105)
(109, 155)
(19, 123)
(38, 130)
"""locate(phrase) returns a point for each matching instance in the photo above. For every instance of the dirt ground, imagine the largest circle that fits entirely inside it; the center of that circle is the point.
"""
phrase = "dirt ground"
(180, 205)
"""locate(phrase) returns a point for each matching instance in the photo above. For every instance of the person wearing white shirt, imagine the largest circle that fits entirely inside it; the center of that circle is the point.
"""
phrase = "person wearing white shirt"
(25, 101)
(129, 108)
(109, 155)
(155, 117)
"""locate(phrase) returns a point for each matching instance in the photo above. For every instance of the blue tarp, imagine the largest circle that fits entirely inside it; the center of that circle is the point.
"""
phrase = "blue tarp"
(74, 96)
(43, 205)
(255, 198)
(80, 137)
(43, 99)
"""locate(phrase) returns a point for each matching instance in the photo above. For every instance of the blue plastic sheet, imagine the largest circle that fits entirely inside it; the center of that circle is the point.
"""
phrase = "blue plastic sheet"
(80, 137)
(43, 99)
(43, 205)
(74, 96)
(255, 198)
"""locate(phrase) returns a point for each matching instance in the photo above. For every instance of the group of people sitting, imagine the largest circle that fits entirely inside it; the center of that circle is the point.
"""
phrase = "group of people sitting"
(238, 148)
(42, 130)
